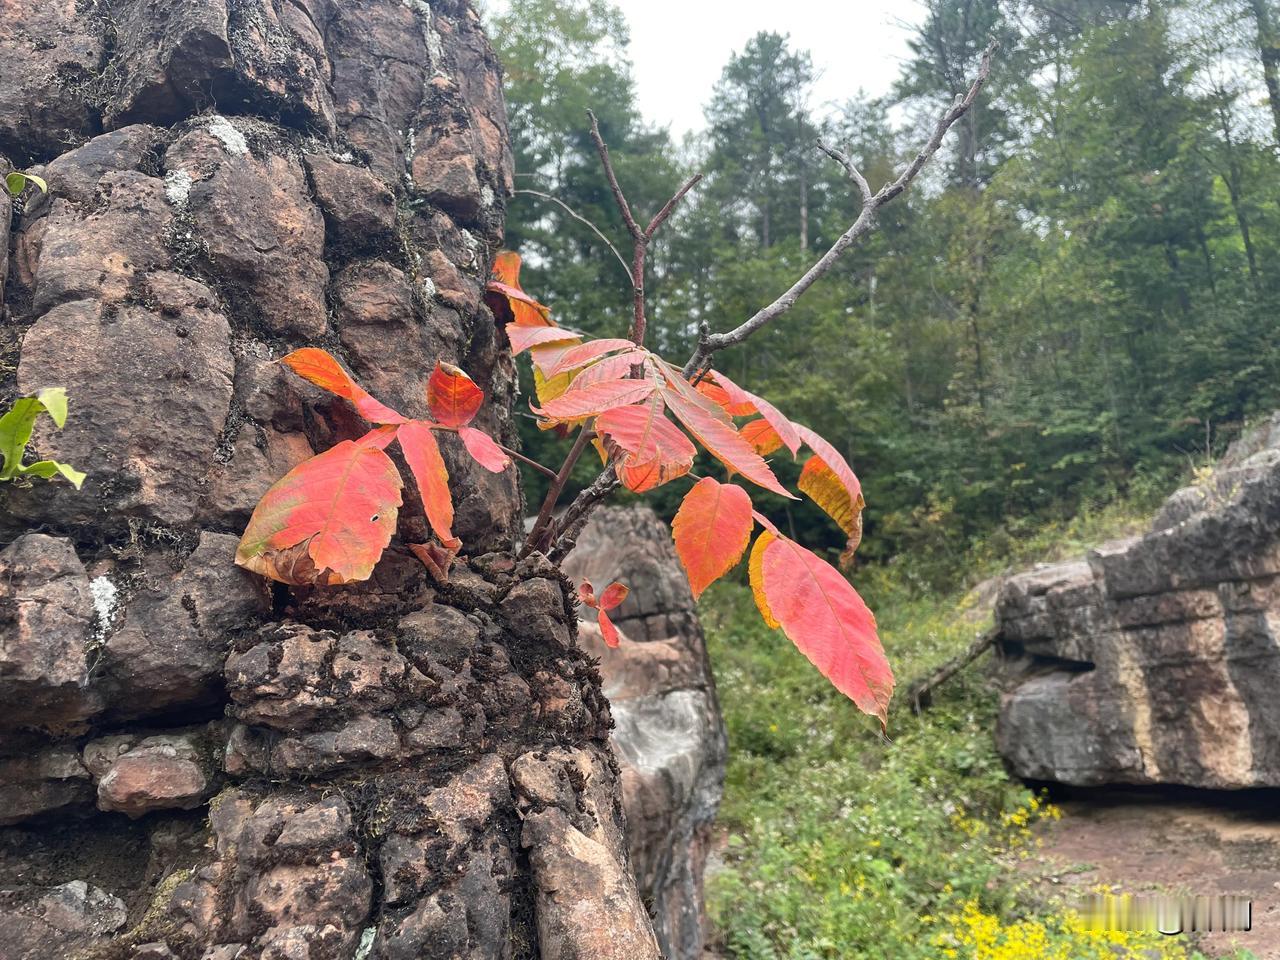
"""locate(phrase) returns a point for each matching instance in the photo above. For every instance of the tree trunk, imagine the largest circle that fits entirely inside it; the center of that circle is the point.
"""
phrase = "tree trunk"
(194, 764)
(1269, 54)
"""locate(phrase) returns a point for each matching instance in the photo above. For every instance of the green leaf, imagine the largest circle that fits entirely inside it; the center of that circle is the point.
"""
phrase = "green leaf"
(48, 468)
(15, 432)
(55, 401)
(16, 427)
(17, 181)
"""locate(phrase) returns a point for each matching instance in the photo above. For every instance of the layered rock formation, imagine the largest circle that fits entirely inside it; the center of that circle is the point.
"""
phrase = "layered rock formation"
(1156, 659)
(195, 764)
(669, 736)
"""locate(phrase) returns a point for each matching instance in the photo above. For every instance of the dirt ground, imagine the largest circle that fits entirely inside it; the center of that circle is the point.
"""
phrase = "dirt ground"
(1187, 843)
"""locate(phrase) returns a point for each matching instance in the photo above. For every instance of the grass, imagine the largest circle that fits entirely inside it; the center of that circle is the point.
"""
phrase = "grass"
(842, 844)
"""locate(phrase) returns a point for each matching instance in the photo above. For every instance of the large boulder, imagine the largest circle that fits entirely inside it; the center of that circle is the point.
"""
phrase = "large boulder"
(669, 737)
(1156, 658)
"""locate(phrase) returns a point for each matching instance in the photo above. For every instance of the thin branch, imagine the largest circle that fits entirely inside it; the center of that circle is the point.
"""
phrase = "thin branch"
(861, 227)
(553, 493)
(581, 219)
(515, 454)
(661, 217)
(618, 196)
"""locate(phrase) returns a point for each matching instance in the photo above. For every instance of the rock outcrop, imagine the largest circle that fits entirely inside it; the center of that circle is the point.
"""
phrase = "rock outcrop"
(1156, 659)
(196, 764)
(669, 736)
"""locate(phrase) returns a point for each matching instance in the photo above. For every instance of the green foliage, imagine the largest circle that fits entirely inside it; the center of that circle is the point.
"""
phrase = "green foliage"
(842, 846)
(16, 427)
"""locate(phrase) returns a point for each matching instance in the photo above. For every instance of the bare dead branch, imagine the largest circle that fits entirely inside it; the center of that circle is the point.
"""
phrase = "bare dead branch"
(661, 216)
(920, 691)
(861, 227)
(855, 174)
(619, 197)
(581, 219)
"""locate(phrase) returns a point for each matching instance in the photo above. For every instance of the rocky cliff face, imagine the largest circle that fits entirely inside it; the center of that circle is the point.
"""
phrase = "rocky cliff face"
(669, 736)
(1156, 659)
(195, 765)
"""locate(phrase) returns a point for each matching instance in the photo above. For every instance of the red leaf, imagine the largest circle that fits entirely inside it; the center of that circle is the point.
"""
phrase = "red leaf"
(422, 453)
(654, 450)
(316, 366)
(484, 449)
(524, 337)
(723, 442)
(436, 558)
(607, 630)
(830, 482)
(587, 593)
(613, 595)
(826, 619)
(595, 399)
(328, 519)
(610, 368)
(711, 530)
(745, 399)
(763, 438)
(583, 354)
(452, 397)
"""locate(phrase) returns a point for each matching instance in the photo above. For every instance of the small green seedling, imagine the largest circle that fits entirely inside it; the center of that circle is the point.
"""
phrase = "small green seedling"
(17, 181)
(15, 433)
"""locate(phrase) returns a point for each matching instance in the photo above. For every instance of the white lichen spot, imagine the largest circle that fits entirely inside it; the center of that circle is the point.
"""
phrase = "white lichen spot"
(486, 196)
(365, 947)
(177, 187)
(346, 156)
(105, 596)
(428, 287)
(232, 139)
(472, 246)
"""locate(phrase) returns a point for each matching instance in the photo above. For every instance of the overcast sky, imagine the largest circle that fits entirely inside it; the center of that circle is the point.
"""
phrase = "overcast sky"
(678, 47)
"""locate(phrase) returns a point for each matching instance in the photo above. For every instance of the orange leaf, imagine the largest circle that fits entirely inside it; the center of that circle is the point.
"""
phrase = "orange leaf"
(748, 401)
(596, 399)
(484, 449)
(711, 530)
(830, 482)
(422, 453)
(318, 367)
(763, 438)
(452, 397)
(504, 296)
(328, 519)
(826, 619)
(755, 574)
(720, 396)
(524, 337)
(583, 354)
(723, 442)
(506, 267)
(654, 450)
